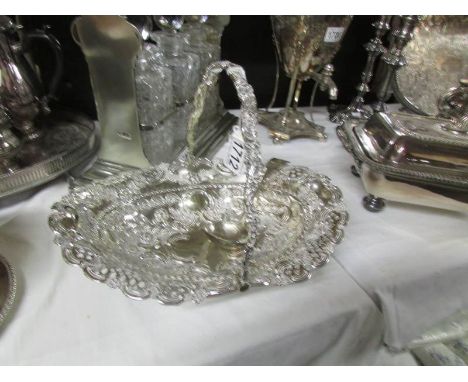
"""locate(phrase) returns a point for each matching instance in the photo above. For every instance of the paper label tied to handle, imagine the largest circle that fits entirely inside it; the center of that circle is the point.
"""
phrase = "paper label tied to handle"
(234, 160)
(333, 34)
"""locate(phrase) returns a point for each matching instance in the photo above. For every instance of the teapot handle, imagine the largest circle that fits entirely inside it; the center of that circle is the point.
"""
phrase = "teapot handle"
(56, 48)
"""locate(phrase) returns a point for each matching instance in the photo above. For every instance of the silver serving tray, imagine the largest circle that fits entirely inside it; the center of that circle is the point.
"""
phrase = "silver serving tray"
(178, 231)
(7, 289)
(67, 141)
(409, 158)
(437, 58)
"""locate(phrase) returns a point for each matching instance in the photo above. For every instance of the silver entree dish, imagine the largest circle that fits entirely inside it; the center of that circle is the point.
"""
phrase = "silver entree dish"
(409, 158)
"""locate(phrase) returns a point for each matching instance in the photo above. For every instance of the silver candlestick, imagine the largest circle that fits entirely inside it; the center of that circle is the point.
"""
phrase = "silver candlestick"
(374, 48)
(393, 58)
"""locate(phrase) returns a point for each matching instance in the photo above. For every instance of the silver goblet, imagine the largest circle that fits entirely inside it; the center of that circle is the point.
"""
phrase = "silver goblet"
(306, 45)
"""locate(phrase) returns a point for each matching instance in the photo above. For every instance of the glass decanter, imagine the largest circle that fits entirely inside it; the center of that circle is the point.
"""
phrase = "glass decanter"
(197, 38)
(155, 102)
(153, 83)
(185, 66)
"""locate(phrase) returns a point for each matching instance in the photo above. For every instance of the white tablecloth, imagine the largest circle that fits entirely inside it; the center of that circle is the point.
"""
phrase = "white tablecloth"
(335, 318)
(412, 261)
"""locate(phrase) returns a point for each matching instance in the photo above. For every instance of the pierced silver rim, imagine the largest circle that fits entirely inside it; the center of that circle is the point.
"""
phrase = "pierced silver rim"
(11, 294)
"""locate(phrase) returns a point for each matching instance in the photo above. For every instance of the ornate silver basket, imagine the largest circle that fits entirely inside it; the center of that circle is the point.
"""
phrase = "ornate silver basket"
(192, 228)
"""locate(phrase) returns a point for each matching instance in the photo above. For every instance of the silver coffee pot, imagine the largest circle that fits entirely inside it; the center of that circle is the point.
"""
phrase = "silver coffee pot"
(22, 92)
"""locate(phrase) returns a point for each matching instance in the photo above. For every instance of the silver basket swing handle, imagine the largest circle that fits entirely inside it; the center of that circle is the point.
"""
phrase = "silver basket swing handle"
(248, 122)
(248, 109)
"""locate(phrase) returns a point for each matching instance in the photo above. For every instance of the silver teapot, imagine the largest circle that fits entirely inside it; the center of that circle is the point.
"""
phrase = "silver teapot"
(22, 92)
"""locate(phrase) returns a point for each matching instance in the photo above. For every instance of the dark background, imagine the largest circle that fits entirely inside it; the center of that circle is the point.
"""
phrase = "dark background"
(247, 41)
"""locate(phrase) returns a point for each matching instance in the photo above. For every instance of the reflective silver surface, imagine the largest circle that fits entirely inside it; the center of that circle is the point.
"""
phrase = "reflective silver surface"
(409, 158)
(414, 142)
(453, 105)
(179, 232)
(302, 42)
(7, 289)
(374, 49)
(437, 58)
(23, 94)
(393, 59)
(68, 141)
(305, 45)
(288, 124)
(9, 142)
(191, 229)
